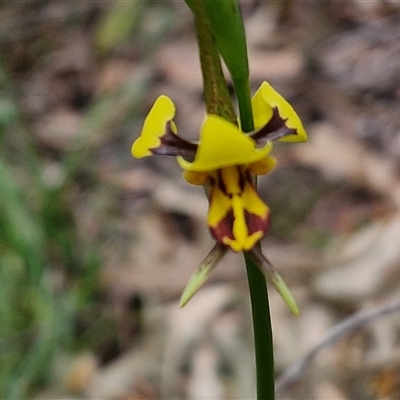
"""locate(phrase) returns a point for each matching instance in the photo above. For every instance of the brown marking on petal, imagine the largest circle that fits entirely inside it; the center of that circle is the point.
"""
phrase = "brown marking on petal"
(211, 181)
(274, 129)
(224, 228)
(244, 176)
(247, 178)
(255, 223)
(221, 183)
(174, 145)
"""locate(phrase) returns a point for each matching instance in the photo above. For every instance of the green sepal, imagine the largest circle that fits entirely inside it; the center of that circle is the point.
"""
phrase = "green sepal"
(284, 291)
(274, 278)
(197, 280)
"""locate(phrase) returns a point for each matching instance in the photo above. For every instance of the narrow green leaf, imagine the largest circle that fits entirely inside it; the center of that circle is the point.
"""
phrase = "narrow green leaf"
(227, 27)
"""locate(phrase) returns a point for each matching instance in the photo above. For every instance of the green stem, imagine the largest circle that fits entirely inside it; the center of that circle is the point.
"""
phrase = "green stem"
(262, 331)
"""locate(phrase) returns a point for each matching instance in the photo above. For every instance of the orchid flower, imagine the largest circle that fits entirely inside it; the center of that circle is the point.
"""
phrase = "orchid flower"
(226, 161)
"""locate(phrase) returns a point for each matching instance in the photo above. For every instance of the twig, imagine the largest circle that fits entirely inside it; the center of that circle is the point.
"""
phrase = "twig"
(354, 322)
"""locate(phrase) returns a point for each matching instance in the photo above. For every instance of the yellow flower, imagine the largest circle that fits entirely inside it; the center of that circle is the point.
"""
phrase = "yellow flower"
(226, 161)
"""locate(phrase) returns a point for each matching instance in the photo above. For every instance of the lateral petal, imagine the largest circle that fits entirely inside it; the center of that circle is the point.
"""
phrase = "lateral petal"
(271, 112)
(159, 136)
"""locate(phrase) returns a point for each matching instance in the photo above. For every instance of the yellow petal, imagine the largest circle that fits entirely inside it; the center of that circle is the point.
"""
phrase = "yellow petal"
(154, 127)
(240, 230)
(243, 239)
(237, 216)
(195, 178)
(263, 166)
(222, 145)
(252, 201)
(262, 111)
(265, 99)
(220, 205)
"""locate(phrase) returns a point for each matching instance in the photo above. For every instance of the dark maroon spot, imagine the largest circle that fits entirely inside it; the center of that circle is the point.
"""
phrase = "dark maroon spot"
(223, 228)
(255, 223)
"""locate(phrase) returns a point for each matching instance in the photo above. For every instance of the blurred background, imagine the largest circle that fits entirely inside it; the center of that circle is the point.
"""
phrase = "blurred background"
(96, 247)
